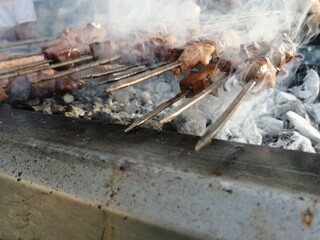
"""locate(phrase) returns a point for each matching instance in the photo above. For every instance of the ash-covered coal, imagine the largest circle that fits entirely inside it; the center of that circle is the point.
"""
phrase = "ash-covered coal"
(243, 32)
(273, 117)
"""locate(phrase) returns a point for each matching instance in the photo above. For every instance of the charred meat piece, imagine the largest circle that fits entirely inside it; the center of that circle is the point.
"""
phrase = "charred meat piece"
(280, 52)
(135, 51)
(3, 94)
(256, 49)
(71, 42)
(27, 87)
(170, 55)
(58, 54)
(227, 66)
(193, 54)
(283, 53)
(196, 82)
(261, 70)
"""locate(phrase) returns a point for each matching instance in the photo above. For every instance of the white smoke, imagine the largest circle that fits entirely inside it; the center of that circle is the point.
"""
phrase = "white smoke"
(129, 16)
(238, 21)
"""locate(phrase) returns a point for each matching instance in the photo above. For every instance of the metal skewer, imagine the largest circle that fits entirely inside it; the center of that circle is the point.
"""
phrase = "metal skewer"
(23, 66)
(136, 70)
(80, 68)
(217, 125)
(18, 56)
(187, 104)
(41, 68)
(24, 42)
(109, 72)
(143, 76)
(155, 111)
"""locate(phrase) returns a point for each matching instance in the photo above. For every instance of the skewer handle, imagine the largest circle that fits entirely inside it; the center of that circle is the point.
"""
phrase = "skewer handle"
(81, 68)
(24, 42)
(45, 67)
(217, 125)
(18, 56)
(23, 66)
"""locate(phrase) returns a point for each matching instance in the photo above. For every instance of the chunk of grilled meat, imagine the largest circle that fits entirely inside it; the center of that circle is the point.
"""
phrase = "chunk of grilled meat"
(72, 41)
(196, 82)
(193, 54)
(261, 70)
(27, 87)
(279, 52)
(153, 49)
(3, 94)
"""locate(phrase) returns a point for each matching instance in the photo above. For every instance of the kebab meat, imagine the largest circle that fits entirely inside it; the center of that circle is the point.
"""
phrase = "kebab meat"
(72, 42)
(29, 86)
(139, 50)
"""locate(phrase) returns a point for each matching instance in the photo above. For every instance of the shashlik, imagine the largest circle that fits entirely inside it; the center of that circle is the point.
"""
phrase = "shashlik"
(27, 87)
(71, 42)
(261, 61)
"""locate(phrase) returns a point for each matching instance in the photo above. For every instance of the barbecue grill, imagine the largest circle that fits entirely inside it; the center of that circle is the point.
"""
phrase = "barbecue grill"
(66, 178)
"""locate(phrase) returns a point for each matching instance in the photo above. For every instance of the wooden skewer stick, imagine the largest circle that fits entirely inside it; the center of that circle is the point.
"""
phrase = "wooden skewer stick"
(41, 68)
(23, 66)
(156, 111)
(80, 68)
(143, 76)
(217, 125)
(198, 97)
(24, 42)
(18, 56)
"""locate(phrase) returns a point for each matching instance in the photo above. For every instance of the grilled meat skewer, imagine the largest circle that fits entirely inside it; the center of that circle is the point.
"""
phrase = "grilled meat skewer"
(259, 71)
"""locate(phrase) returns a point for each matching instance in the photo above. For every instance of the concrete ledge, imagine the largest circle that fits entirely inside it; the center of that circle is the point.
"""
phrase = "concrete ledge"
(74, 179)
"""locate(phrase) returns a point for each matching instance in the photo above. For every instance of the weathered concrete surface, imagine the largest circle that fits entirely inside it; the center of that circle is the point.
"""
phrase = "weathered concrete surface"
(67, 179)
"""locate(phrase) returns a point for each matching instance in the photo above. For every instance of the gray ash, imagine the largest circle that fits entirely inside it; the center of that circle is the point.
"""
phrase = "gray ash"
(277, 117)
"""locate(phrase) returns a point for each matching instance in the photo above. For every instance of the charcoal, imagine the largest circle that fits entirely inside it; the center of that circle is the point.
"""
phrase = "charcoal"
(124, 116)
(74, 112)
(68, 98)
(285, 102)
(251, 133)
(314, 111)
(302, 126)
(162, 87)
(229, 134)
(144, 97)
(148, 87)
(292, 140)
(45, 108)
(156, 98)
(131, 108)
(211, 106)
(121, 97)
(269, 125)
(308, 91)
(57, 109)
(191, 122)
(97, 100)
